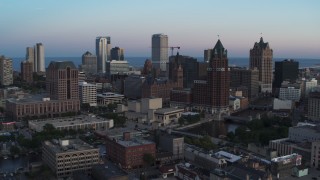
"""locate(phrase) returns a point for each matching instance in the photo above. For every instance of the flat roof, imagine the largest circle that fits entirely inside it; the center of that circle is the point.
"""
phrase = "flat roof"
(70, 121)
(110, 94)
(167, 110)
(69, 145)
(107, 170)
(133, 142)
(228, 156)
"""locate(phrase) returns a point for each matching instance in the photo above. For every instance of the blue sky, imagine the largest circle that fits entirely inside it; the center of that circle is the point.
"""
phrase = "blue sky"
(68, 28)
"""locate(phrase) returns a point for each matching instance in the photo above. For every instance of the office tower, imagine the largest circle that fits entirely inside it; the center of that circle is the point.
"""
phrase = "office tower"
(213, 95)
(207, 55)
(117, 54)
(39, 59)
(189, 66)
(242, 77)
(88, 93)
(286, 70)
(102, 52)
(261, 57)
(6, 72)
(30, 56)
(62, 81)
(314, 106)
(26, 71)
(89, 63)
(117, 67)
(159, 54)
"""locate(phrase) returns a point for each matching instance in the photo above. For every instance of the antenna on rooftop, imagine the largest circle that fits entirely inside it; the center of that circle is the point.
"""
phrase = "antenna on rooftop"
(218, 36)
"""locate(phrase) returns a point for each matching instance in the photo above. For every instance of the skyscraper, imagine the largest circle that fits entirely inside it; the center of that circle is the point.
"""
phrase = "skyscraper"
(6, 72)
(207, 55)
(26, 71)
(159, 54)
(89, 63)
(286, 70)
(30, 56)
(213, 95)
(117, 54)
(62, 81)
(261, 57)
(39, 59)
(103, 46)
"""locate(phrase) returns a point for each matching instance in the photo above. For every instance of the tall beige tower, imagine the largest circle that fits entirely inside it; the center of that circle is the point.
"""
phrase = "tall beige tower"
(30, 56)
(39, 59)
(261, 57)
(6, 72)
(159, 52)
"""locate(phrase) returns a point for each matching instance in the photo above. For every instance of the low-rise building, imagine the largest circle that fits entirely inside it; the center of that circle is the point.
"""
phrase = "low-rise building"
(109, 98)
(64, 157)
(315, 154)
(282, 166)
(304, 133)
(167, 115)
(75, 123)
(172, 144)
(129, 151)
(279, 104)
(290, 93)
(39, 106)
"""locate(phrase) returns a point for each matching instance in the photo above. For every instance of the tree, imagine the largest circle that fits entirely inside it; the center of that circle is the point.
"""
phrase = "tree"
(148, 158)
(14, 150)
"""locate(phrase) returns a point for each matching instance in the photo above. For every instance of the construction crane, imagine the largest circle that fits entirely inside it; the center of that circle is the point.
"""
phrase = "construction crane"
(172, 48)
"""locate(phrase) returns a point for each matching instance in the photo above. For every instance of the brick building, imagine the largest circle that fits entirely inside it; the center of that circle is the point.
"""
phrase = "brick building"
(27, 71)
(129, 151)
(212, 95)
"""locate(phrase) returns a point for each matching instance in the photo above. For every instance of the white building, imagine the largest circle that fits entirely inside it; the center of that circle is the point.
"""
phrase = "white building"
(88, 93)
(109, 98)
(159, 53)
(6, 71)
(234, 103)
(279, 104)
(117, 67)
(165, 116)
(103, 46)
(310, 86)
(39, 58)
(290, 93)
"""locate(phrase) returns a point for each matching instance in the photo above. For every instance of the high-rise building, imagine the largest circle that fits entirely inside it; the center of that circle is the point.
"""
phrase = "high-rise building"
(286, 70)
(89, 63)
(213, 95)
(88, 93)
(207, 55)
(103, 46)
(6, 71)
(261, 57)
(159, 54)
(242, 77)
(39, 58)
(117, 54)
(189, 66)
(30, 56)
(26, 71)
(62, 81)
(314, 106)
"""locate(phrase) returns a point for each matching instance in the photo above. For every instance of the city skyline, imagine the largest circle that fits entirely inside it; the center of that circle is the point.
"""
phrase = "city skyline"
(68, 29)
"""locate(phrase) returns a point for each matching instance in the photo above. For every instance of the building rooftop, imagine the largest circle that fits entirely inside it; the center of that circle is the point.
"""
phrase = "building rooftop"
(62, 64)
(68, 145)
(109, 94)
(167, 110)
(69, 121)
(107, 171)
(30, 99)
(133, 142)
(228, 156)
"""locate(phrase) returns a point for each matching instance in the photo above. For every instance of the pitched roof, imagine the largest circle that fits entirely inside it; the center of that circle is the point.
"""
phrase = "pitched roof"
(218, 46)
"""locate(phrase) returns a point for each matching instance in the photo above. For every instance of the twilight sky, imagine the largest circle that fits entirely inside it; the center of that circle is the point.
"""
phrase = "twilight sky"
(68, 28)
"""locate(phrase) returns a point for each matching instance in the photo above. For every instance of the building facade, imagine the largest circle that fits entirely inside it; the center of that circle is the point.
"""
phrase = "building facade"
(27, 71)
(286, 70)
(117, 54)
(6, 71)
(314, 106)
(103, 46)
(39, 58)
(128, 151)
(207, 55)
(117, 67)
(249, 78)
(213, 95)
(88, 93)
(290, 93)
(261, 57)
(30, 56)
(89, 63)
(109, 98)
(159, 53)
(67, 156)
